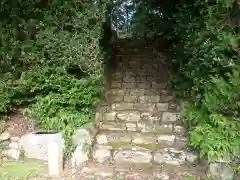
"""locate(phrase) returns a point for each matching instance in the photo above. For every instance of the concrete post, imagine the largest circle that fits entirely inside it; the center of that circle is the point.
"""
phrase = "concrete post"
(55, 158)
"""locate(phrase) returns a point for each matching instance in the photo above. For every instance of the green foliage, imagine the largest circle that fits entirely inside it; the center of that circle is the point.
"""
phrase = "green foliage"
(52, 61)
(205, 41)
(207, 65)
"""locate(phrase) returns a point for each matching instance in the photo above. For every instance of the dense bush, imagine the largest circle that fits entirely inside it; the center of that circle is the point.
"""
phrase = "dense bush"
(51, 60)
(207, 65)
(204, 38)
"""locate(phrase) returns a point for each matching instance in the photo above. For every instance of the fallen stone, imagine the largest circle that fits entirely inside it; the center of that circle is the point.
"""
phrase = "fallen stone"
(101, 154)
(102, 139)
(82, 136)
(15, 139)
(14, 145)
(13, 153)
(5, 136)
(161, 175)
(129, 156)
(191, 157)
(80, 156)
(221, 171)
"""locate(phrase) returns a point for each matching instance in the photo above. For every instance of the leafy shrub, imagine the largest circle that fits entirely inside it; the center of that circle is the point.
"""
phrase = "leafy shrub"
(52, 61)
(204, 38)
(207, 62)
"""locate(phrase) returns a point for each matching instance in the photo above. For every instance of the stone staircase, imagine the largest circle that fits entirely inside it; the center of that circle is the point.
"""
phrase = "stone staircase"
(141, 135)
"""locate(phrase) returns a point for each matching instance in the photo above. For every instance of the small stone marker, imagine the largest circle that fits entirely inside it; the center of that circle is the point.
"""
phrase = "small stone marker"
(55, 158)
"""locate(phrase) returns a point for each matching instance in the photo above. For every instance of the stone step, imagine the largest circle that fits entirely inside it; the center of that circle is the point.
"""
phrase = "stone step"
(151, 140)
(133, 171)
(137, 91)
(146, 106)
(153, 113)
(122, 121)
(94, 171)
(142, 155)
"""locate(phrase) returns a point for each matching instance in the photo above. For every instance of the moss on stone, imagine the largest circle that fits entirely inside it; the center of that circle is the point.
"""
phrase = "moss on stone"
(158, 132)
(118, 144)
(124, 144)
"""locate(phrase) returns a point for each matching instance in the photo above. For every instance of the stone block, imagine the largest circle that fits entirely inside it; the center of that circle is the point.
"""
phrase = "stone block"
(162, 106)
(166, 139)
(113, 126)
(164, 129)
(101, 154)
(129, 116)
(144, 107)
(113, 137)
(146, 116)
(136, 92)
(170, 156)
(111, 116)
(116, 84)
(144, 139)
(130, 98)
(149, 99)
(179, 130)
(131, 126)
(122, 106)
(130, 156)
(144, 85)
(129, 85)
(170, 117)
(221, 171)
(115, 98)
